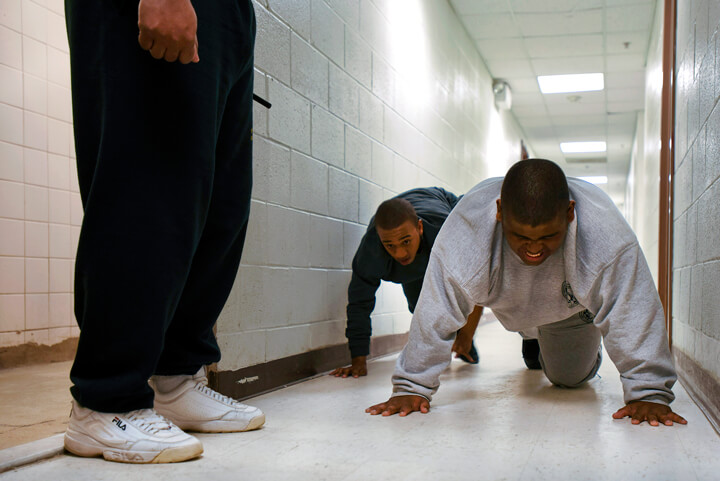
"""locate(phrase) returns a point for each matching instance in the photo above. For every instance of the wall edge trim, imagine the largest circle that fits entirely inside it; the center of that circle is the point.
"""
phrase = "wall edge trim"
(700, 385)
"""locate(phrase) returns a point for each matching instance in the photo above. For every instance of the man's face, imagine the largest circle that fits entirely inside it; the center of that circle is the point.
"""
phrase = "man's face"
(402, 242)
(533, 245)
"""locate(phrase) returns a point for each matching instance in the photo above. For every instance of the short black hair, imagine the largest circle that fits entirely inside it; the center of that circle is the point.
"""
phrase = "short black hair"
(394, 212)
(535, 191)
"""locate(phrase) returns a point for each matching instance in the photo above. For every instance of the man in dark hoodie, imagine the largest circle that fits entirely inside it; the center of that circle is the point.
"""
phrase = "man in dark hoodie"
(396, 248)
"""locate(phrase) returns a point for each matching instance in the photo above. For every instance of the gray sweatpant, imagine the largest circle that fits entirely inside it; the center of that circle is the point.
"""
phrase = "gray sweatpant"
(570, 352)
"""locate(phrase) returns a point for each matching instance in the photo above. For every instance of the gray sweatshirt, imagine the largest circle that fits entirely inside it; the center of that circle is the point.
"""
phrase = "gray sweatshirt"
(600, 272)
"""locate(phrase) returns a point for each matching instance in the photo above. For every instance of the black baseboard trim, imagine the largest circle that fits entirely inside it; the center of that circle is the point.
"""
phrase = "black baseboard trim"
(702, 387)
(261, 378)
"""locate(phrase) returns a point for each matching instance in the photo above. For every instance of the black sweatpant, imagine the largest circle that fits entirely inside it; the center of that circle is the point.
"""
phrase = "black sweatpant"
(164, 155)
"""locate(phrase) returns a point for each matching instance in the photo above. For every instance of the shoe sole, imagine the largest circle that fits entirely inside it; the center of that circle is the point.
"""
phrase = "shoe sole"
(85, 446)
(220, 426)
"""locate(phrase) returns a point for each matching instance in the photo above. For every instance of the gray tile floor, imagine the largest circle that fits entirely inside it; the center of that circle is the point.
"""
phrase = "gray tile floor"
(493, 421)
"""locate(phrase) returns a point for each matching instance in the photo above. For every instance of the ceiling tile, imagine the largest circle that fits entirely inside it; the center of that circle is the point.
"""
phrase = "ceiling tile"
(625, 95)
(576, 98)
(629, 18)
(522, 111)
(504, 48)
(510, 68)
(619, 63)
(564, 46)
(576, 109)
(568, 65)
(497, 25)
(563, 120)
(479, 7)
(625, 80)
(626, 43)
(536, 6)
(580, 133)
(548, 24)
(630, 106)
(527, 98)
(525, 84)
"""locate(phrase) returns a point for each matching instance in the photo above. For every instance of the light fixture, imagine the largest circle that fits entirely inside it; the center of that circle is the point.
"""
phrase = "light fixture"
(584, 82)
(582, 147)
(502, 94)
(595, 179)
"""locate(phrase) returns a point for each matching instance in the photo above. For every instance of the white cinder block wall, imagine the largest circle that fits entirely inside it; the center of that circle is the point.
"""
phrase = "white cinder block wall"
(370, 98)
(696, 258)
(40, 209)
(642, 203)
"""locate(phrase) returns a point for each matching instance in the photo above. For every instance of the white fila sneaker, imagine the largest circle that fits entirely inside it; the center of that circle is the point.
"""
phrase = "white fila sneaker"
(188, 402)
(141, 436)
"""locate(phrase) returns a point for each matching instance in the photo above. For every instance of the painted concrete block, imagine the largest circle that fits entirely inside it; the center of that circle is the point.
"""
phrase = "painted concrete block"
(374, 27)
(712, 147)
(352, 234)
(709, 208)
(286, 341)
(401, 322)
(405, 174)
(370, 114)
(698, 168)
(383, 80)
(382, 166)
(706, 83)
(370, 198)
(272, 45)
(343, 195)
(338, 282)
(358, 58)
(382, 324)
(696, 296)
(308, 293)
(691, 251)
(309, 71)
(343, 95)
(326, 242)
(348, 10)
(260, 113)
(271, 171)
(295, 13)
(241, 350)
(309, 189)
(255, 252)
(328, 137)
(358, 152)
(683, 188)
(288, 237)
(328, 32)
(328, 333)
(711, 301)
(289, 118)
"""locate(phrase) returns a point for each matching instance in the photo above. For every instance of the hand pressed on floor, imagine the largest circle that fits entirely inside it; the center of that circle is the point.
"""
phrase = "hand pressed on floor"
(653, 413)
(357, 369)
(402, 405)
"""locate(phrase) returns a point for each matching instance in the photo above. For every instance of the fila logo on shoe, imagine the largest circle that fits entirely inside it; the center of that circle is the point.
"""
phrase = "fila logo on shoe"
(119, 423)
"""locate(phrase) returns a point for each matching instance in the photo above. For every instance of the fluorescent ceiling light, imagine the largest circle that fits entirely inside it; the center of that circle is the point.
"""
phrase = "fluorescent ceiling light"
(582, 147)
(584, 82)
(595, 179)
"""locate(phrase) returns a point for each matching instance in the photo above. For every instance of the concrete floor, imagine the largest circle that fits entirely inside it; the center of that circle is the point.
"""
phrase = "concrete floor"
(493, 421)
(35, 402)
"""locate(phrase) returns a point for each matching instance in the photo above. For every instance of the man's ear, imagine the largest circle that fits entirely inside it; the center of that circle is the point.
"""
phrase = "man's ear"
(498, 216)
(571, 212)
(420, 226)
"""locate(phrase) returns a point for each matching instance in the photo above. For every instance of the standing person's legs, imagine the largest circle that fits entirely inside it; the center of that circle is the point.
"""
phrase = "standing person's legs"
(570, 353)
(146, 135)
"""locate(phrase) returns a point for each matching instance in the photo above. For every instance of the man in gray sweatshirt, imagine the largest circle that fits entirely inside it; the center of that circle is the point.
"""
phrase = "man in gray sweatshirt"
(555, 260)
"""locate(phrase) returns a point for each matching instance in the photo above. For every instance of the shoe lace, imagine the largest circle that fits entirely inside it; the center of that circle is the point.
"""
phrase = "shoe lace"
(203, 388)
(150, 421)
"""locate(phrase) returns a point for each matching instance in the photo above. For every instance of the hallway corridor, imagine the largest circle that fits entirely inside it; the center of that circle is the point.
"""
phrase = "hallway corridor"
(493, 421)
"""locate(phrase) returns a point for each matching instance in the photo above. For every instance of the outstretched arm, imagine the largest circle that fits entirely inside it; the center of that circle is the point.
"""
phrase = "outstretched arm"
(168, 30)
